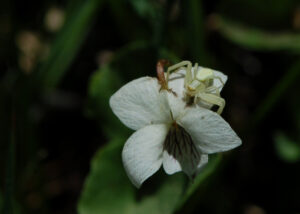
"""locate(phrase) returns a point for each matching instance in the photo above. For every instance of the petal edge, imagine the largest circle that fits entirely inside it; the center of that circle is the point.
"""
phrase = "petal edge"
(139, 103)
(209, 131)
(142, 153)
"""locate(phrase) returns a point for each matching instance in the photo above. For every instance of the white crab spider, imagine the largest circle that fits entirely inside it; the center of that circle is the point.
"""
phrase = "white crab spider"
(198, 84)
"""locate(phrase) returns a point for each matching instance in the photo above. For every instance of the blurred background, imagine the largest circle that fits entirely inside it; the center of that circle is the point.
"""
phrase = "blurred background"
(60, 144)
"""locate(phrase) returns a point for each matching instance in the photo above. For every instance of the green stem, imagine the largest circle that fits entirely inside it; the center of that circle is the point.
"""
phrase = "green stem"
(276, 93)
(196, 33)
(254, 38)
(196, 189)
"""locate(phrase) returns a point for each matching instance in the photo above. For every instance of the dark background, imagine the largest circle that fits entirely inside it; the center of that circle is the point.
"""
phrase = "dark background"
(52, 123)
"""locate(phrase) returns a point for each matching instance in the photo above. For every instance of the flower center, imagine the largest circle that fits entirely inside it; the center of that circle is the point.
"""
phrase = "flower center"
(179, 144)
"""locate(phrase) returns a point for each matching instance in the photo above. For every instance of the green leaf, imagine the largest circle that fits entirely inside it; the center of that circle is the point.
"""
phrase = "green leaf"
(108, 190)
(103, 84)
(276, 93)
(144, 8)
(257, 39)
(167, 54)
(67, 44)
(106, 81)
(287, 149)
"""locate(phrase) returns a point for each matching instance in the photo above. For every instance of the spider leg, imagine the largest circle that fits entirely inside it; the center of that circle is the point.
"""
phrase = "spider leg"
(195, 70)
(220, 79)
(213, 99)
(188, 76)
(178, 65)
(195, 98)
(212, 89)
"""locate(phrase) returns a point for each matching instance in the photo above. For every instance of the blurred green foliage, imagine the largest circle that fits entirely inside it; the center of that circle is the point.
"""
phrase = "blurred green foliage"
(1, 201)
(195, 189)
(102, 85)
(267, 14)
(196, 31)
(108, 190)
(68, 43)
(106, 187)
(257, 39)
(276, 93)
(144, 8)
(287, 149)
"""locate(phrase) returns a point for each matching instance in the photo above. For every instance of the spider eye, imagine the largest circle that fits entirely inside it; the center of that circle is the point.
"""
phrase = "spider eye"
(204, 74)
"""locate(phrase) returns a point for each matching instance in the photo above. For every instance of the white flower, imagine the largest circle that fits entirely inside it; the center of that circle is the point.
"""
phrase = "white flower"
(169, 132)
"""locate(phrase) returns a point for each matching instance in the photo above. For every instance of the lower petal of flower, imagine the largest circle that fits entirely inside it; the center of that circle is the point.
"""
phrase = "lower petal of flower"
(142, 153)
(209, 131)
(181, 152)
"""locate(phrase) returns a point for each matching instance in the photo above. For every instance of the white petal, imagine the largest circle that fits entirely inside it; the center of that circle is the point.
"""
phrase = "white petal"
(170, 164)
(142, 153)
(209, 131)
(202, 163)
(217, 82)
(180, 153)
(191, 164)
(176, 82)
(139, 103)
(176, 105)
